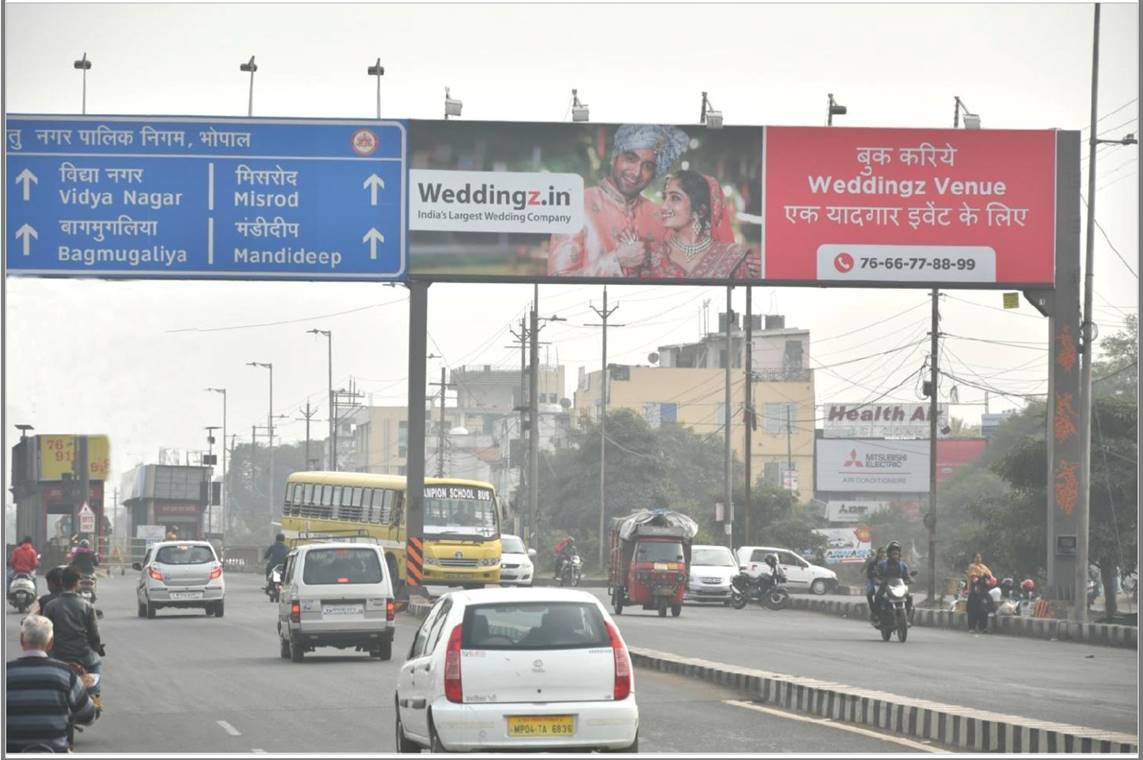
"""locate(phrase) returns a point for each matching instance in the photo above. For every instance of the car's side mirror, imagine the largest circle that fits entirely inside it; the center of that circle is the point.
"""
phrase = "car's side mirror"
(136, 566)
(532, 553)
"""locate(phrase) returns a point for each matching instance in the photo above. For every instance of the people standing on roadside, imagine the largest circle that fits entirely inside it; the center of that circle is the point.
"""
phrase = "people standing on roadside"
(977, 607)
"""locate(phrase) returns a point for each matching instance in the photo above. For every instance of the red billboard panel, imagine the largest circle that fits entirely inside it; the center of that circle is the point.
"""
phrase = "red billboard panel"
(954, 453)
(963, 207)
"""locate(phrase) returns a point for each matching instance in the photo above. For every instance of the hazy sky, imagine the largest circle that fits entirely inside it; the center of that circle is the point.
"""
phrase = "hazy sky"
(131, 359)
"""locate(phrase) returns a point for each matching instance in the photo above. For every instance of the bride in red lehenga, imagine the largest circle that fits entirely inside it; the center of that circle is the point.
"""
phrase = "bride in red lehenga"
(700, 243)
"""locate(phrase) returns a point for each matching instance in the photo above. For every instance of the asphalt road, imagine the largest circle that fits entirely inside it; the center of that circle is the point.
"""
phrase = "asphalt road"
(1056, 681)
(184, 682)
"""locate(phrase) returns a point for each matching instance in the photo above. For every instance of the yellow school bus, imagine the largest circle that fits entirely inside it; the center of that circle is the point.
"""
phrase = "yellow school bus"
(462, 521)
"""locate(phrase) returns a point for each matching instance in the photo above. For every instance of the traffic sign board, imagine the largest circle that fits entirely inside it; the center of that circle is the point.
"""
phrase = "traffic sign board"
(189, 197)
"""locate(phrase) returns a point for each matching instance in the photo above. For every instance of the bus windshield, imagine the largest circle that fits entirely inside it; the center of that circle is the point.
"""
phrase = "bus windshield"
(460, 512)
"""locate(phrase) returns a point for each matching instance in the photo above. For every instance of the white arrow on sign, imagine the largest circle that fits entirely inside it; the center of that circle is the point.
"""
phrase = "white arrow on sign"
(27, 233)
(372, 237)
(29, 179)
(373, 182)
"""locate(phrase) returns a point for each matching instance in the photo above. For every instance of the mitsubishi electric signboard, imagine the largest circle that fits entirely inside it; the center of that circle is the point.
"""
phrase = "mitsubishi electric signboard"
(871, 466)
(687, 204)
(881, 420)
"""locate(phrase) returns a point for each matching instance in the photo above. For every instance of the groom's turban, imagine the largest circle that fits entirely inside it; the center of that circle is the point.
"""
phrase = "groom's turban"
(668, 143)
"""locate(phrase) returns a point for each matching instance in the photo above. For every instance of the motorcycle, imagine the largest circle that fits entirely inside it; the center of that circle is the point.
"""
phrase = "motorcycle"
(572, 571)
(767, 590)
(274, 586)
(86, 590)
(22, 591)
(894, 610)
(72, 726)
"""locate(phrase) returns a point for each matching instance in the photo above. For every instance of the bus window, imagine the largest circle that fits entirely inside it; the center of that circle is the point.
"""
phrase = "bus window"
(377, 499)
(398, 506)
(346, 510)
(308, 493)
(357, 493)
(336, 496)
(386, 511)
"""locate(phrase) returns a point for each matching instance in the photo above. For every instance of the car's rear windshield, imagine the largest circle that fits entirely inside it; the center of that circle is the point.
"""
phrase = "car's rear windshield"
(714, 557)
(184, 555)
(511, 545)
(534, 625)
(332, 566)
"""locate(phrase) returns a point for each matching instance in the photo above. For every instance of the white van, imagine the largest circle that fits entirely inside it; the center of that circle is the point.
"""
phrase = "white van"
(336, 594)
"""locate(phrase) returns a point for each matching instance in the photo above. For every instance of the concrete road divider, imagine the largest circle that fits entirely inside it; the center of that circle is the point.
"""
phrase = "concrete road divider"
(1041, 628)
(960, 727)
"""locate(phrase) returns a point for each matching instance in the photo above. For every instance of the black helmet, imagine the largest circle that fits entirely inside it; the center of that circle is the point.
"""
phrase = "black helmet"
(771, 559)
(891, 546)
(280, 537)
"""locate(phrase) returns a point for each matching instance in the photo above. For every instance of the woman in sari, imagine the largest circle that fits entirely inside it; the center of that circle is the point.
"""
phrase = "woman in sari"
(700, 243)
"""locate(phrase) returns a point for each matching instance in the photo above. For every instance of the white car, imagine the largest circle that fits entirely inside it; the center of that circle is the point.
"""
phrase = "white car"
(801, 574)
(516, 567)
(711, 569)
(180, 574)
(506, 669)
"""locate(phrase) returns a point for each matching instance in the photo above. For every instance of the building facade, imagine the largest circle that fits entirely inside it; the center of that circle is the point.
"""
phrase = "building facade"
(688, 388)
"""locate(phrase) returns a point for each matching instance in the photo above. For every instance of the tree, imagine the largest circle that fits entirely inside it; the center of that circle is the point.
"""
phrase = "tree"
(958, 428)
(1116, 374)
(249, 516)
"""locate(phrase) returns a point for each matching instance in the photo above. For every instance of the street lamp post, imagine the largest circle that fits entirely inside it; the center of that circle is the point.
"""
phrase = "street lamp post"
(835, 109)
(224, 485)
(269, 431)
(377, 70)
(251, 67)
(332, 422)
(83, 65)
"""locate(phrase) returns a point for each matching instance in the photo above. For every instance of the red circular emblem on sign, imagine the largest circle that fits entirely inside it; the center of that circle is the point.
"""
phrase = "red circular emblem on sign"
(843, 262)
(364, 142)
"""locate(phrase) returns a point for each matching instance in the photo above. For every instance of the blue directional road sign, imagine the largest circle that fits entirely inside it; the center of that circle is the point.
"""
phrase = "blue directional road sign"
(190, 197)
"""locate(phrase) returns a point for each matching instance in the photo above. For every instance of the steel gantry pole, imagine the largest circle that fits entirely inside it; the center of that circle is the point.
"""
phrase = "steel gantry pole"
(932, 517)
(727, 488)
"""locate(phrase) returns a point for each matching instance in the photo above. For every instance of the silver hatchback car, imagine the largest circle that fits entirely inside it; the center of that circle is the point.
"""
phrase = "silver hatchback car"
(180, 574)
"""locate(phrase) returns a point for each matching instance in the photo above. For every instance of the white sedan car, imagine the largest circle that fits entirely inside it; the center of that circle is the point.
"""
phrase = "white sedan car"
(516, 567)
(506, 669)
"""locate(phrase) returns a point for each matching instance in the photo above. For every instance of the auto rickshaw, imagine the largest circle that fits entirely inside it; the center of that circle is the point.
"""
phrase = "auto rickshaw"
(650, 559)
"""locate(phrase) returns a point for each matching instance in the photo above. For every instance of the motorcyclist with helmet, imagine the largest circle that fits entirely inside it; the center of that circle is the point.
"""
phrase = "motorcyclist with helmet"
(83, 558)
(275, 555)
(564, 551)
(888, 569)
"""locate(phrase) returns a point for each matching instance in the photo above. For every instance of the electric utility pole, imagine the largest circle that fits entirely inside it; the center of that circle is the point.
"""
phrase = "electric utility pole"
(444, 385)
(307, 415)
(603, 315)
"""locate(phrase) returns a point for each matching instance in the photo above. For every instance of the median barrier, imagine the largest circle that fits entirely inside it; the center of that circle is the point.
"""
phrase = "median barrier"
(951, 725)
(1055, 629)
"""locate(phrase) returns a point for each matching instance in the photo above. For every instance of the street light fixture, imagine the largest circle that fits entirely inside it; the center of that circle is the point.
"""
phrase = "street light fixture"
(835, 109)
(223, 500)
(83, 65)
(971, 120)
(251, 67)
(332, 423)
(377, 70)
(579, 110)
(1129, 139)
(452, 106)
(269, 427)
(24, 430)
(709, 116)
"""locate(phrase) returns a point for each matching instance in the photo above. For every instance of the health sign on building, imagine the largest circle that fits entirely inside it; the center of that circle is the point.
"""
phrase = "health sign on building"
(865, 466)
(859, 420)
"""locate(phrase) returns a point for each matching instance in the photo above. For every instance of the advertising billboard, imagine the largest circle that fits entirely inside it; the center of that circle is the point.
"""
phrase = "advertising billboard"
(527, 201)
(877, 466)
(938, 206)
(57, 456)
(881, 420)
(850, 511)
(846, 546)
(795, 205)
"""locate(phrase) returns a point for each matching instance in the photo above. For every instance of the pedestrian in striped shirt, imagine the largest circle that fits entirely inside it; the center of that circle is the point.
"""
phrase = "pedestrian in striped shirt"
(43, 694)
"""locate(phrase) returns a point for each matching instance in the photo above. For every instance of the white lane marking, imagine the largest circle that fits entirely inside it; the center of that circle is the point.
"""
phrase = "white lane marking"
(229, 728)
(258, 751)
(834, 724)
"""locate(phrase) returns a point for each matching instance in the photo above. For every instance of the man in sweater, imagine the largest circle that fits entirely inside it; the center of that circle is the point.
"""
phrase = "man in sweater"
(42, 694)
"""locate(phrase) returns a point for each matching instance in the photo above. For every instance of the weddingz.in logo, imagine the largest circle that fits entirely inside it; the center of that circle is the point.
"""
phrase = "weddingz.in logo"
(486, 194)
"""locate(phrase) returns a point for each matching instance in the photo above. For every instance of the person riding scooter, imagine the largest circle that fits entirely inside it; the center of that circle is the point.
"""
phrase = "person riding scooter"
(275, 555)
(84, 558)
(76, 631)
(888, 569)
(870, 582)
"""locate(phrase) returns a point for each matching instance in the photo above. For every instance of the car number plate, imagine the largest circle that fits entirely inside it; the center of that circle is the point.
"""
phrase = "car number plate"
(541, 725)
(186, 595)
(457, 576)
(342, 610)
